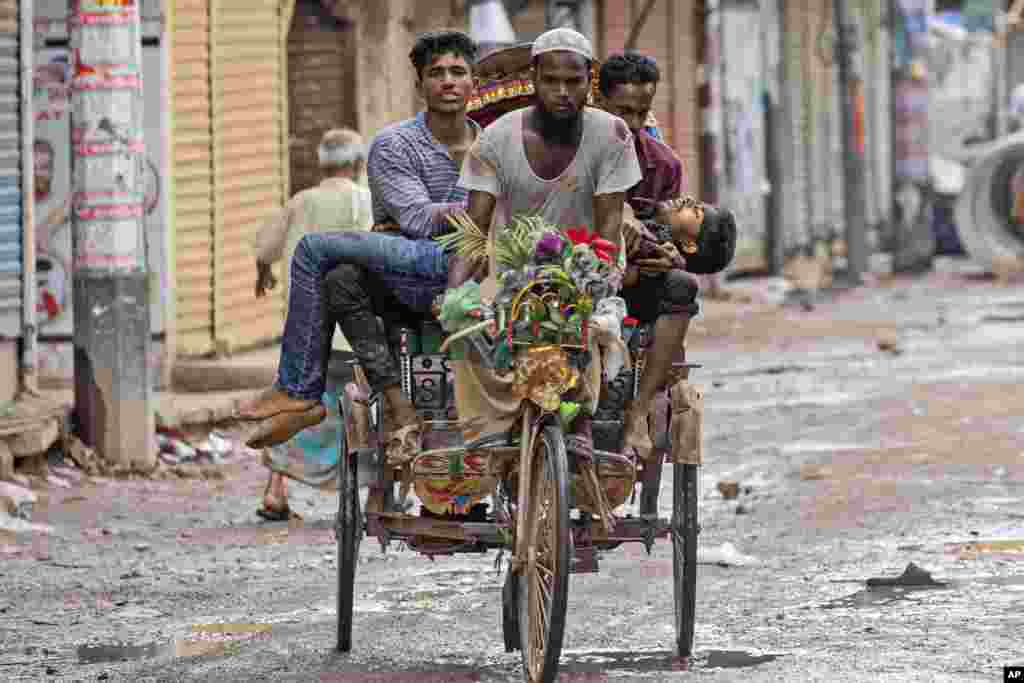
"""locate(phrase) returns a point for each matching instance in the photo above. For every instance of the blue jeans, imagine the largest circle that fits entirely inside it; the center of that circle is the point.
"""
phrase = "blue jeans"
(415, 271)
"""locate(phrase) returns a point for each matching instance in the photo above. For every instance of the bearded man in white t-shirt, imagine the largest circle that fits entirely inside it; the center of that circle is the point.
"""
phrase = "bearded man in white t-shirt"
(569, 163)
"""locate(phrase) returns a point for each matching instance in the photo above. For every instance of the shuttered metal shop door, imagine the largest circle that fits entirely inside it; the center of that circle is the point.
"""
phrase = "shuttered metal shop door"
(249, 162)
(193, 177)
(321, 86)
(10, 169)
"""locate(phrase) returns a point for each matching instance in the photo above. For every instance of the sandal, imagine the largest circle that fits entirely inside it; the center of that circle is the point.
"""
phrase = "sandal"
(274, 515)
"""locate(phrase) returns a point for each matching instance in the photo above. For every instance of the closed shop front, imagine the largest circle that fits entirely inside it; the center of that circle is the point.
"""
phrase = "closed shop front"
(250, 162)
(193, 177)
(10, 172)
(321, 86)
(230, 166)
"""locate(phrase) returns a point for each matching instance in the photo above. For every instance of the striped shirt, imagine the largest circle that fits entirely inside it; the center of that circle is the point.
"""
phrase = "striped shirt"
(413, 179)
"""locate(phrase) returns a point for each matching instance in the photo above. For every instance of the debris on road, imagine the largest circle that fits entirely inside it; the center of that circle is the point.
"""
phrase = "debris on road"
(890, 344)
(16, 501)
(812, 472)
(84, 457)
(17, 525)
(175, 449)
(913, 575)
(730, 490)
(1006, 549)
(725, 555)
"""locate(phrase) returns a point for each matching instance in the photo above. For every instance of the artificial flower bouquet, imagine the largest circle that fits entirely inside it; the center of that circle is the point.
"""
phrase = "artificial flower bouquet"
(551, 280)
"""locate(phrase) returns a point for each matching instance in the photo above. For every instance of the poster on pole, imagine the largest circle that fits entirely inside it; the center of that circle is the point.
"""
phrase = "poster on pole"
(51, 110)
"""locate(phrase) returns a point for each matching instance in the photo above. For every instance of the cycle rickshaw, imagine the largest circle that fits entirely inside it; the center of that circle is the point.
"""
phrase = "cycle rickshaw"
(532, 482)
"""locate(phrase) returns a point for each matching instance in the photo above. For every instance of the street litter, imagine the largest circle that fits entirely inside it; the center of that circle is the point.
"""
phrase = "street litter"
(913, 575)
(890, 345)
(729, 489)
(19, 526)
(725, 555)
(971, 550)
(888, 591)
(16, 501)
(175, 450)
(812, 472)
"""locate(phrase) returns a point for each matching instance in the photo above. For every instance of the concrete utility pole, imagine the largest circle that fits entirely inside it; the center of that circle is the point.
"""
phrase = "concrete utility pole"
(914, 243)
(111, 337)
(854, 194)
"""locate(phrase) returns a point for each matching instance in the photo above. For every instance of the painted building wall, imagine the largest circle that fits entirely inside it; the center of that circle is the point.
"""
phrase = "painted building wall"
(670, 36)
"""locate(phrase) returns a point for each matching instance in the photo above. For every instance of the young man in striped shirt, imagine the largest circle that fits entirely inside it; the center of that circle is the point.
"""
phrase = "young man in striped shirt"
(348, 278)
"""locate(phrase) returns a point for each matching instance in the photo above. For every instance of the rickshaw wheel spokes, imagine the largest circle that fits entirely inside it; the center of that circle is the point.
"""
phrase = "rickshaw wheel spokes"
(544, 582)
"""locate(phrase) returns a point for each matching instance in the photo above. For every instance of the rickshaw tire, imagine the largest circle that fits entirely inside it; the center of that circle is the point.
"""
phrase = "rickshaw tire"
(552, 441)
(510, 612)
(684, 530)
(349, 531)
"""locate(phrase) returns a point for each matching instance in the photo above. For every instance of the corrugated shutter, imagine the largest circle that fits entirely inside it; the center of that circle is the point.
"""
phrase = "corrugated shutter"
(193, 177)
(10, 170)
(249, 162)
(320, 81)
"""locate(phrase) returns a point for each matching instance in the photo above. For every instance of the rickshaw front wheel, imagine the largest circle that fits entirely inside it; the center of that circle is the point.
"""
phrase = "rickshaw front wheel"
(684, 553)
(543, 583)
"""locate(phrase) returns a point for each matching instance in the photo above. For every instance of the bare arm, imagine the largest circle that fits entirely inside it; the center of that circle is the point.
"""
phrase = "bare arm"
(272, 235)
(481, 209)
(608, 216)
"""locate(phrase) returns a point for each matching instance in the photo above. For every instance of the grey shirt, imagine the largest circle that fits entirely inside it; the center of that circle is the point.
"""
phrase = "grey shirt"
(605, 163)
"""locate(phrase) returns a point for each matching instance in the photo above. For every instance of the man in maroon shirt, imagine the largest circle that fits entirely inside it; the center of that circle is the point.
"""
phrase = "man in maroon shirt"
(659, 285)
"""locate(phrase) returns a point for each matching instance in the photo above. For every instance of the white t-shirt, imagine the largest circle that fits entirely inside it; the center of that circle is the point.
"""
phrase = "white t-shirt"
(605, 163)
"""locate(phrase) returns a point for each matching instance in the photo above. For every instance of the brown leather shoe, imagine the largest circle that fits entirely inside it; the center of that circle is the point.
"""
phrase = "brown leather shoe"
(284, 426)
(271, 403)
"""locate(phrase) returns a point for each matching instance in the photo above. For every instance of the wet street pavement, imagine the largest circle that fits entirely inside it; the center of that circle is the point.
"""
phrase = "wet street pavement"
(881, 429)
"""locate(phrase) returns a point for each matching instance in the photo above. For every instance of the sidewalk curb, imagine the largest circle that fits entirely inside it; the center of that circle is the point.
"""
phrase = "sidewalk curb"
(204, 376)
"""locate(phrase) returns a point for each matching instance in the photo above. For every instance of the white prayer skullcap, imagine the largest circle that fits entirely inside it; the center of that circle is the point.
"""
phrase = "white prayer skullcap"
(341, 147)
(562, 40)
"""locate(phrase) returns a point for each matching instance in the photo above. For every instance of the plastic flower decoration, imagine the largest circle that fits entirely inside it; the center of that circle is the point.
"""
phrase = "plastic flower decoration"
(549, 248)
(549, 281)
(602, 248)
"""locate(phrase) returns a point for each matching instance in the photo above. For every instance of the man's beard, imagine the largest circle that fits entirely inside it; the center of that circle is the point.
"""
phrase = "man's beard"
(560, 129)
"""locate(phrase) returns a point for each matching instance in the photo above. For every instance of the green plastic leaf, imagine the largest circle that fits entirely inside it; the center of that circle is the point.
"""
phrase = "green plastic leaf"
(567, 412)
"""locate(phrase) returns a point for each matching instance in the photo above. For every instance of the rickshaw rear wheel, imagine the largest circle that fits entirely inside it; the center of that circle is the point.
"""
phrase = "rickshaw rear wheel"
(543, 581)
(684, 553)
(510, 612)
(348, 530)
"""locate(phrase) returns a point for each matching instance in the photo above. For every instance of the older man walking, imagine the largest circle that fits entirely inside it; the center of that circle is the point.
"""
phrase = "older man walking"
(339, 203)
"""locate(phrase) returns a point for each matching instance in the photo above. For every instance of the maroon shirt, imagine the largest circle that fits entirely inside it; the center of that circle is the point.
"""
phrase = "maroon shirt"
(662, 169)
